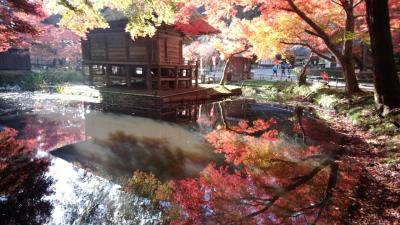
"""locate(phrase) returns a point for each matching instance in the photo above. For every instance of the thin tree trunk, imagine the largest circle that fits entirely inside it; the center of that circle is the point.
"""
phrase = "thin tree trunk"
(226, 70)
(303, 75)
(387, 85)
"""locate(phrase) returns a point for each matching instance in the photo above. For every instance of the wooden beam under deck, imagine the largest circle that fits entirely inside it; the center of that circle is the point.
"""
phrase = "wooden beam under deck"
(179, 77)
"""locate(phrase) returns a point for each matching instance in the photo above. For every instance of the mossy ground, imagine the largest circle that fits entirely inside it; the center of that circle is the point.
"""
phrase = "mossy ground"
(358, 109)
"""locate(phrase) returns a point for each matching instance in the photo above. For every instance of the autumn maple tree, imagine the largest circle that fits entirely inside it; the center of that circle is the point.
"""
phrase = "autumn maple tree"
(317, 26)
(54, 42)
(16, 23)
(230, 44)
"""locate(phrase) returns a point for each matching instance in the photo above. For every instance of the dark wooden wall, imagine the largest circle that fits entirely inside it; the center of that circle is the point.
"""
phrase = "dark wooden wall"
(15, 59)
(115, 46)
(239, 69)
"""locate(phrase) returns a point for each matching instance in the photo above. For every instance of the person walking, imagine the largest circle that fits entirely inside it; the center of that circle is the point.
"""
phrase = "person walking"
(283, 66)
(275, 70)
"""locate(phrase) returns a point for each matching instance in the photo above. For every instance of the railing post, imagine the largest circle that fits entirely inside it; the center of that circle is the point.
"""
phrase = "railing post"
(107, 75)
(128, 75)
(90, 73)
(196, 74)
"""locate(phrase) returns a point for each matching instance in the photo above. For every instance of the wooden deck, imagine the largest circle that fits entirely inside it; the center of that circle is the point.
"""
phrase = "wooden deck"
(160, 101)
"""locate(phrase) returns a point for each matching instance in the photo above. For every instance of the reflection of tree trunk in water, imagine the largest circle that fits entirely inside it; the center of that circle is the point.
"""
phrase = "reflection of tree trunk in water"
(333, 175)
(221, 110)
(300, 181)
(299, 114)
(303, 75)
(225, 73)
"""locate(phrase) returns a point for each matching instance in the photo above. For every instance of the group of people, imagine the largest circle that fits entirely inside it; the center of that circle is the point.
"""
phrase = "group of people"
(284, 67)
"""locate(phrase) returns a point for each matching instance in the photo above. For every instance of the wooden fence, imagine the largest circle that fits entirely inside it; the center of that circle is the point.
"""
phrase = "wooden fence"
(15, 59)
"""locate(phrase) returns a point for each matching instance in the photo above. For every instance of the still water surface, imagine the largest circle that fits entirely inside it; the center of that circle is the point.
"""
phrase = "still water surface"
(230, 162)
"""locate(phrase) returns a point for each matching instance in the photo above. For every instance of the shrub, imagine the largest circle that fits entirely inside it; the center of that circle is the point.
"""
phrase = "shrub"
(327, 101)
(33, 82)
(41, 80)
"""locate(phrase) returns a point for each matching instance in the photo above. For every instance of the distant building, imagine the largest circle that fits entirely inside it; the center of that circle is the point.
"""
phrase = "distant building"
(265, 63)
(300, 55)
(15, 60)
(239, 68)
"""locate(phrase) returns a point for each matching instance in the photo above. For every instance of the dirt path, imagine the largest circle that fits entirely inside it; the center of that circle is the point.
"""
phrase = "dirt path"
(376, 197)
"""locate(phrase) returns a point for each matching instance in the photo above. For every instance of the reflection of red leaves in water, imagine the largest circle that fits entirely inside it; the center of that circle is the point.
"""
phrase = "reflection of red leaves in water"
(243, 124)
(257, 125)
(48, 134)
(278, 179)
(188, 194)
(238, 144)
(297, 128)
(312, 150)
(219, 196)
(228, 143)
(23, 182)
(206, 195)
(271, 135)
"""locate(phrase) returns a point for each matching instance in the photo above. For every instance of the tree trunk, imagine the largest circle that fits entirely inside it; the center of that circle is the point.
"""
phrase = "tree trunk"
(349, 75)
(226, 70)
(303, 75)
(345, 57)
(387, 85)
(347, 60)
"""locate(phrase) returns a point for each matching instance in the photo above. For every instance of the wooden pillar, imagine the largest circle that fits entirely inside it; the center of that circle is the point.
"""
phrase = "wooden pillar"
(196, 74)
(90, 74)
(159, 78)
(149, 79)
(107, 75)
(176, 78)
(149, 82)
(128, 75)
(190, 75)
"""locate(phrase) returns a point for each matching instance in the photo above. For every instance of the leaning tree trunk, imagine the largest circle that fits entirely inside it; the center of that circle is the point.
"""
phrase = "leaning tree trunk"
(387, 85)
(226, 70)
(303, 76)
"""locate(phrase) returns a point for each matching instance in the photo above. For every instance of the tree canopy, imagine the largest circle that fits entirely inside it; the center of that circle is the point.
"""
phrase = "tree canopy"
(16, 22)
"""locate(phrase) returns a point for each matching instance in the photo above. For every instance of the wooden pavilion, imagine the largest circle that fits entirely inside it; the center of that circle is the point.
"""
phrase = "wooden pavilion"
(145, 63)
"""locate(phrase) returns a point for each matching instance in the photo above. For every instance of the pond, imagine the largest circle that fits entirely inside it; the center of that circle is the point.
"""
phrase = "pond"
(230, 162)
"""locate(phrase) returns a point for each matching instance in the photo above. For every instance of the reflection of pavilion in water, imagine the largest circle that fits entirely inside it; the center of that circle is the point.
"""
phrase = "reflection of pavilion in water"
(230, 113)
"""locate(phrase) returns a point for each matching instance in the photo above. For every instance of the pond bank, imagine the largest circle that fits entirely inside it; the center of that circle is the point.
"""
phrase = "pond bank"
(371, 142)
